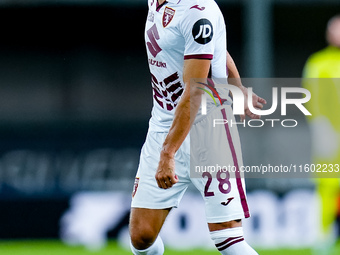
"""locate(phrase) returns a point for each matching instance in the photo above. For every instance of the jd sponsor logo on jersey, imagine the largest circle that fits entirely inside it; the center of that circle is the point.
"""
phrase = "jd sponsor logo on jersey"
(168, 16)
(202, 31)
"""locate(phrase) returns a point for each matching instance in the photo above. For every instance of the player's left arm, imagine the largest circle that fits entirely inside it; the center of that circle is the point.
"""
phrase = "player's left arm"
(185, 113)
(235, 79)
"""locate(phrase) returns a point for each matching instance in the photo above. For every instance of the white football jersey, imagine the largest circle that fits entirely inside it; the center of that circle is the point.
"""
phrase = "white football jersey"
(175, 31)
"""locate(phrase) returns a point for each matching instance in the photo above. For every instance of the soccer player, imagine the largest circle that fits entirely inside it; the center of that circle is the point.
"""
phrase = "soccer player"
(186, 40)
(325, 125)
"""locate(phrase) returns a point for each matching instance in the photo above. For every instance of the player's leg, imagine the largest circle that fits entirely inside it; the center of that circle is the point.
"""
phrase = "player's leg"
(228, 238)
(221, 185)
(145, 225)
(224, 213)
(151, 204)
(328, 190)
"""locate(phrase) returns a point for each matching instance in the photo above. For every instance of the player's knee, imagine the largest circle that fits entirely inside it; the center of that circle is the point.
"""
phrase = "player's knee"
(142, 239)
(225, 225)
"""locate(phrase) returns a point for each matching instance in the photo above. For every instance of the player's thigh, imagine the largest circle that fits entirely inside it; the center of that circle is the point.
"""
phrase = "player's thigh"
(145, 224)
(224, 198)
(215, 165)
(146, 193)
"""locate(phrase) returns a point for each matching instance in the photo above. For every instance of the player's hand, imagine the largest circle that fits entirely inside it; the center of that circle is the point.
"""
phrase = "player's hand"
(165, 174)
(258, 103)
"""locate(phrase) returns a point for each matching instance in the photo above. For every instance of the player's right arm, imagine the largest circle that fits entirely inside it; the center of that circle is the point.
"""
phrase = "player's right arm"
(194, 70)
(197, 29)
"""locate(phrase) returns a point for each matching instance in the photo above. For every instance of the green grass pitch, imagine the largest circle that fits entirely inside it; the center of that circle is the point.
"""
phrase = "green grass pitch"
(54, 247)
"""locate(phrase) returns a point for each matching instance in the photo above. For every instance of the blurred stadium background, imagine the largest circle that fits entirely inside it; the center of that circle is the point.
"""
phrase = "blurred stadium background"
(75, 99)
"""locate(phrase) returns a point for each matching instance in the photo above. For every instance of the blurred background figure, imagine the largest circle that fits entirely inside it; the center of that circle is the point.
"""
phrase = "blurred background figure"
(325, 127)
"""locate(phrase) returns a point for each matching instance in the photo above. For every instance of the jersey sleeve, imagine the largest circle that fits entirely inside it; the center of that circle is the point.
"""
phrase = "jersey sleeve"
(198, 28)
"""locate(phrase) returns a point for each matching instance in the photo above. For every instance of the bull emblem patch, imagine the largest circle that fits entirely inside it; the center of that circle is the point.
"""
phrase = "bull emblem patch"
(168, 16)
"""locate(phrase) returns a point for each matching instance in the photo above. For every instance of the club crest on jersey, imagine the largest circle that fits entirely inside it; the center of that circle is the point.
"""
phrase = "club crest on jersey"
(168, 16)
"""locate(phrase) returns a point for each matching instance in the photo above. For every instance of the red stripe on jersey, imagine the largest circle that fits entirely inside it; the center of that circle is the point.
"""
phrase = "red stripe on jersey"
(199, 56)
(237, 173)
